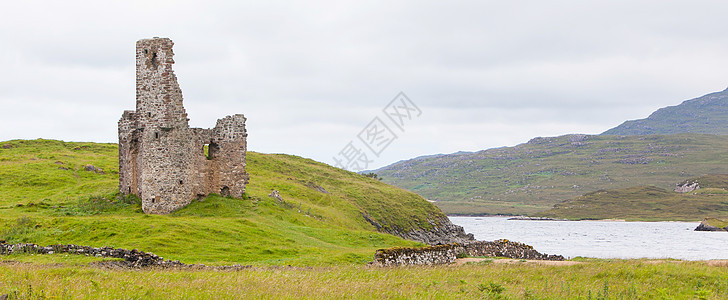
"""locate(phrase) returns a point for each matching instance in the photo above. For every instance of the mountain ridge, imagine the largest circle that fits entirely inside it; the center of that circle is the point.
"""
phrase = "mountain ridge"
(707, 114)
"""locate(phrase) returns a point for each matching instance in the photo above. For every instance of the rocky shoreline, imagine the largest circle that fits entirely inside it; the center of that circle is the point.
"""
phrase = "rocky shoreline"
(525, 218)
(711, 224)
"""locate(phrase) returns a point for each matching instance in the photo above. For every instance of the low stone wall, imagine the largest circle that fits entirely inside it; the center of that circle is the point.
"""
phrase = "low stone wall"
(446, 254)
(433, 255)
(132, 258)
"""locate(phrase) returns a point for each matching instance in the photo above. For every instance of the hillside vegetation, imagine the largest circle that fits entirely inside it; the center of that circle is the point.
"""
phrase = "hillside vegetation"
(649, 203)
(707, 114)
(62, 192)
(532, 177)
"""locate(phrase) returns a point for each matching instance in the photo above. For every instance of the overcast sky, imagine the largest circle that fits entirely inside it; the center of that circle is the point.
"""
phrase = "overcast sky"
(310, 76)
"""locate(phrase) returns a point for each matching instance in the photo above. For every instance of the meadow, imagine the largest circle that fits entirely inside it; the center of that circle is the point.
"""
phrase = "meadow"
(590, 279)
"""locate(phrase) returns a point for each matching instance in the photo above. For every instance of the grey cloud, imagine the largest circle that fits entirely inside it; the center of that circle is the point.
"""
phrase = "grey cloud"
(485, 73)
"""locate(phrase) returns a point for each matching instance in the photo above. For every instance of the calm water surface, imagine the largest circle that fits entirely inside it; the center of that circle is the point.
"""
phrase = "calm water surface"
(603, 239)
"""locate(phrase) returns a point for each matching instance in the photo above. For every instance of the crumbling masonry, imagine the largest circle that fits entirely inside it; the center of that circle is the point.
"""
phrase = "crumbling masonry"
(161, 159)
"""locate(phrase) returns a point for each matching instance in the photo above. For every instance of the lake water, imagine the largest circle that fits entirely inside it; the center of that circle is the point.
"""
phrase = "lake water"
(603, 239)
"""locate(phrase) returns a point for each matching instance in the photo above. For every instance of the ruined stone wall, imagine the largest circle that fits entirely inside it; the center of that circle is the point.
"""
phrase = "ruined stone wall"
(433, 255)
(162, 159)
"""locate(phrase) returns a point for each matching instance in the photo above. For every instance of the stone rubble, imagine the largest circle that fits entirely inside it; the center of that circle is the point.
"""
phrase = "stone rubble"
(133, 259)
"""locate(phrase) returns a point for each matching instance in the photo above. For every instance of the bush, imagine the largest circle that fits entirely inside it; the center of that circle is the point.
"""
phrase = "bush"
(491, 288)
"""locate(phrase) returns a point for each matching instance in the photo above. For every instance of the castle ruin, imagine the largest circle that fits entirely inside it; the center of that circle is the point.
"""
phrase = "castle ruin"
(161, 159)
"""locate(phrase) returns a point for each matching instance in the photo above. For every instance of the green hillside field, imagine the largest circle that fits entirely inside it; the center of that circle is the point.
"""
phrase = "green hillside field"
(50, 194)
(649, 203)
(532, 177)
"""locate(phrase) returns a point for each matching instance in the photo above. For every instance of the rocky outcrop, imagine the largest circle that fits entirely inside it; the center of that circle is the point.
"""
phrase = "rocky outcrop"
(441, 232)
(687, 187)
(446, 254)
(711, 224)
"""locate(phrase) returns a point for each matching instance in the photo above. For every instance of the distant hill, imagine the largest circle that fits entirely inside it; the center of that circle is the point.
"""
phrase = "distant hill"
(532, 177)
(55, 192)
(707, 114)
(649, 203)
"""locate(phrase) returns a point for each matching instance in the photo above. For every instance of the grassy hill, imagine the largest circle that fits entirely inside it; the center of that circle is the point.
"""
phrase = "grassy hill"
(649, 203)
(532, 177)
(62, 192)
(707, 114)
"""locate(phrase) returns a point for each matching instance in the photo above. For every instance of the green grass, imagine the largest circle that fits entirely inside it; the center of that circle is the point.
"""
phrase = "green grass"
(532, 177)
(53, 171)
(319, 222)
(649, 203)
(716, 222)
(594, 279)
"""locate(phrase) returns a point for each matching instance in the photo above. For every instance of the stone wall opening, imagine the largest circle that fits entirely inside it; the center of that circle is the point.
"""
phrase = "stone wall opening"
(154, 60)
(210, 150)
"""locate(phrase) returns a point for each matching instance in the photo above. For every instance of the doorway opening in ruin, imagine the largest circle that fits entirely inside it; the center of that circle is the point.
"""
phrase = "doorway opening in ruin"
(225, 191)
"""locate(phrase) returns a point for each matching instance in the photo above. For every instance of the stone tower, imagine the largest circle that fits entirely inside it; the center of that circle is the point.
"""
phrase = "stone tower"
(161, 159)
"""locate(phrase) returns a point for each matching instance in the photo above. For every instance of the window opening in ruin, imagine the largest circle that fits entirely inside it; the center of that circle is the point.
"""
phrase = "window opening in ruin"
(146, 51)
(154, 59)
(149, 115)
(225, 191)
(180, 182)
(153, 200)
(210, 150)
(156, 135)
